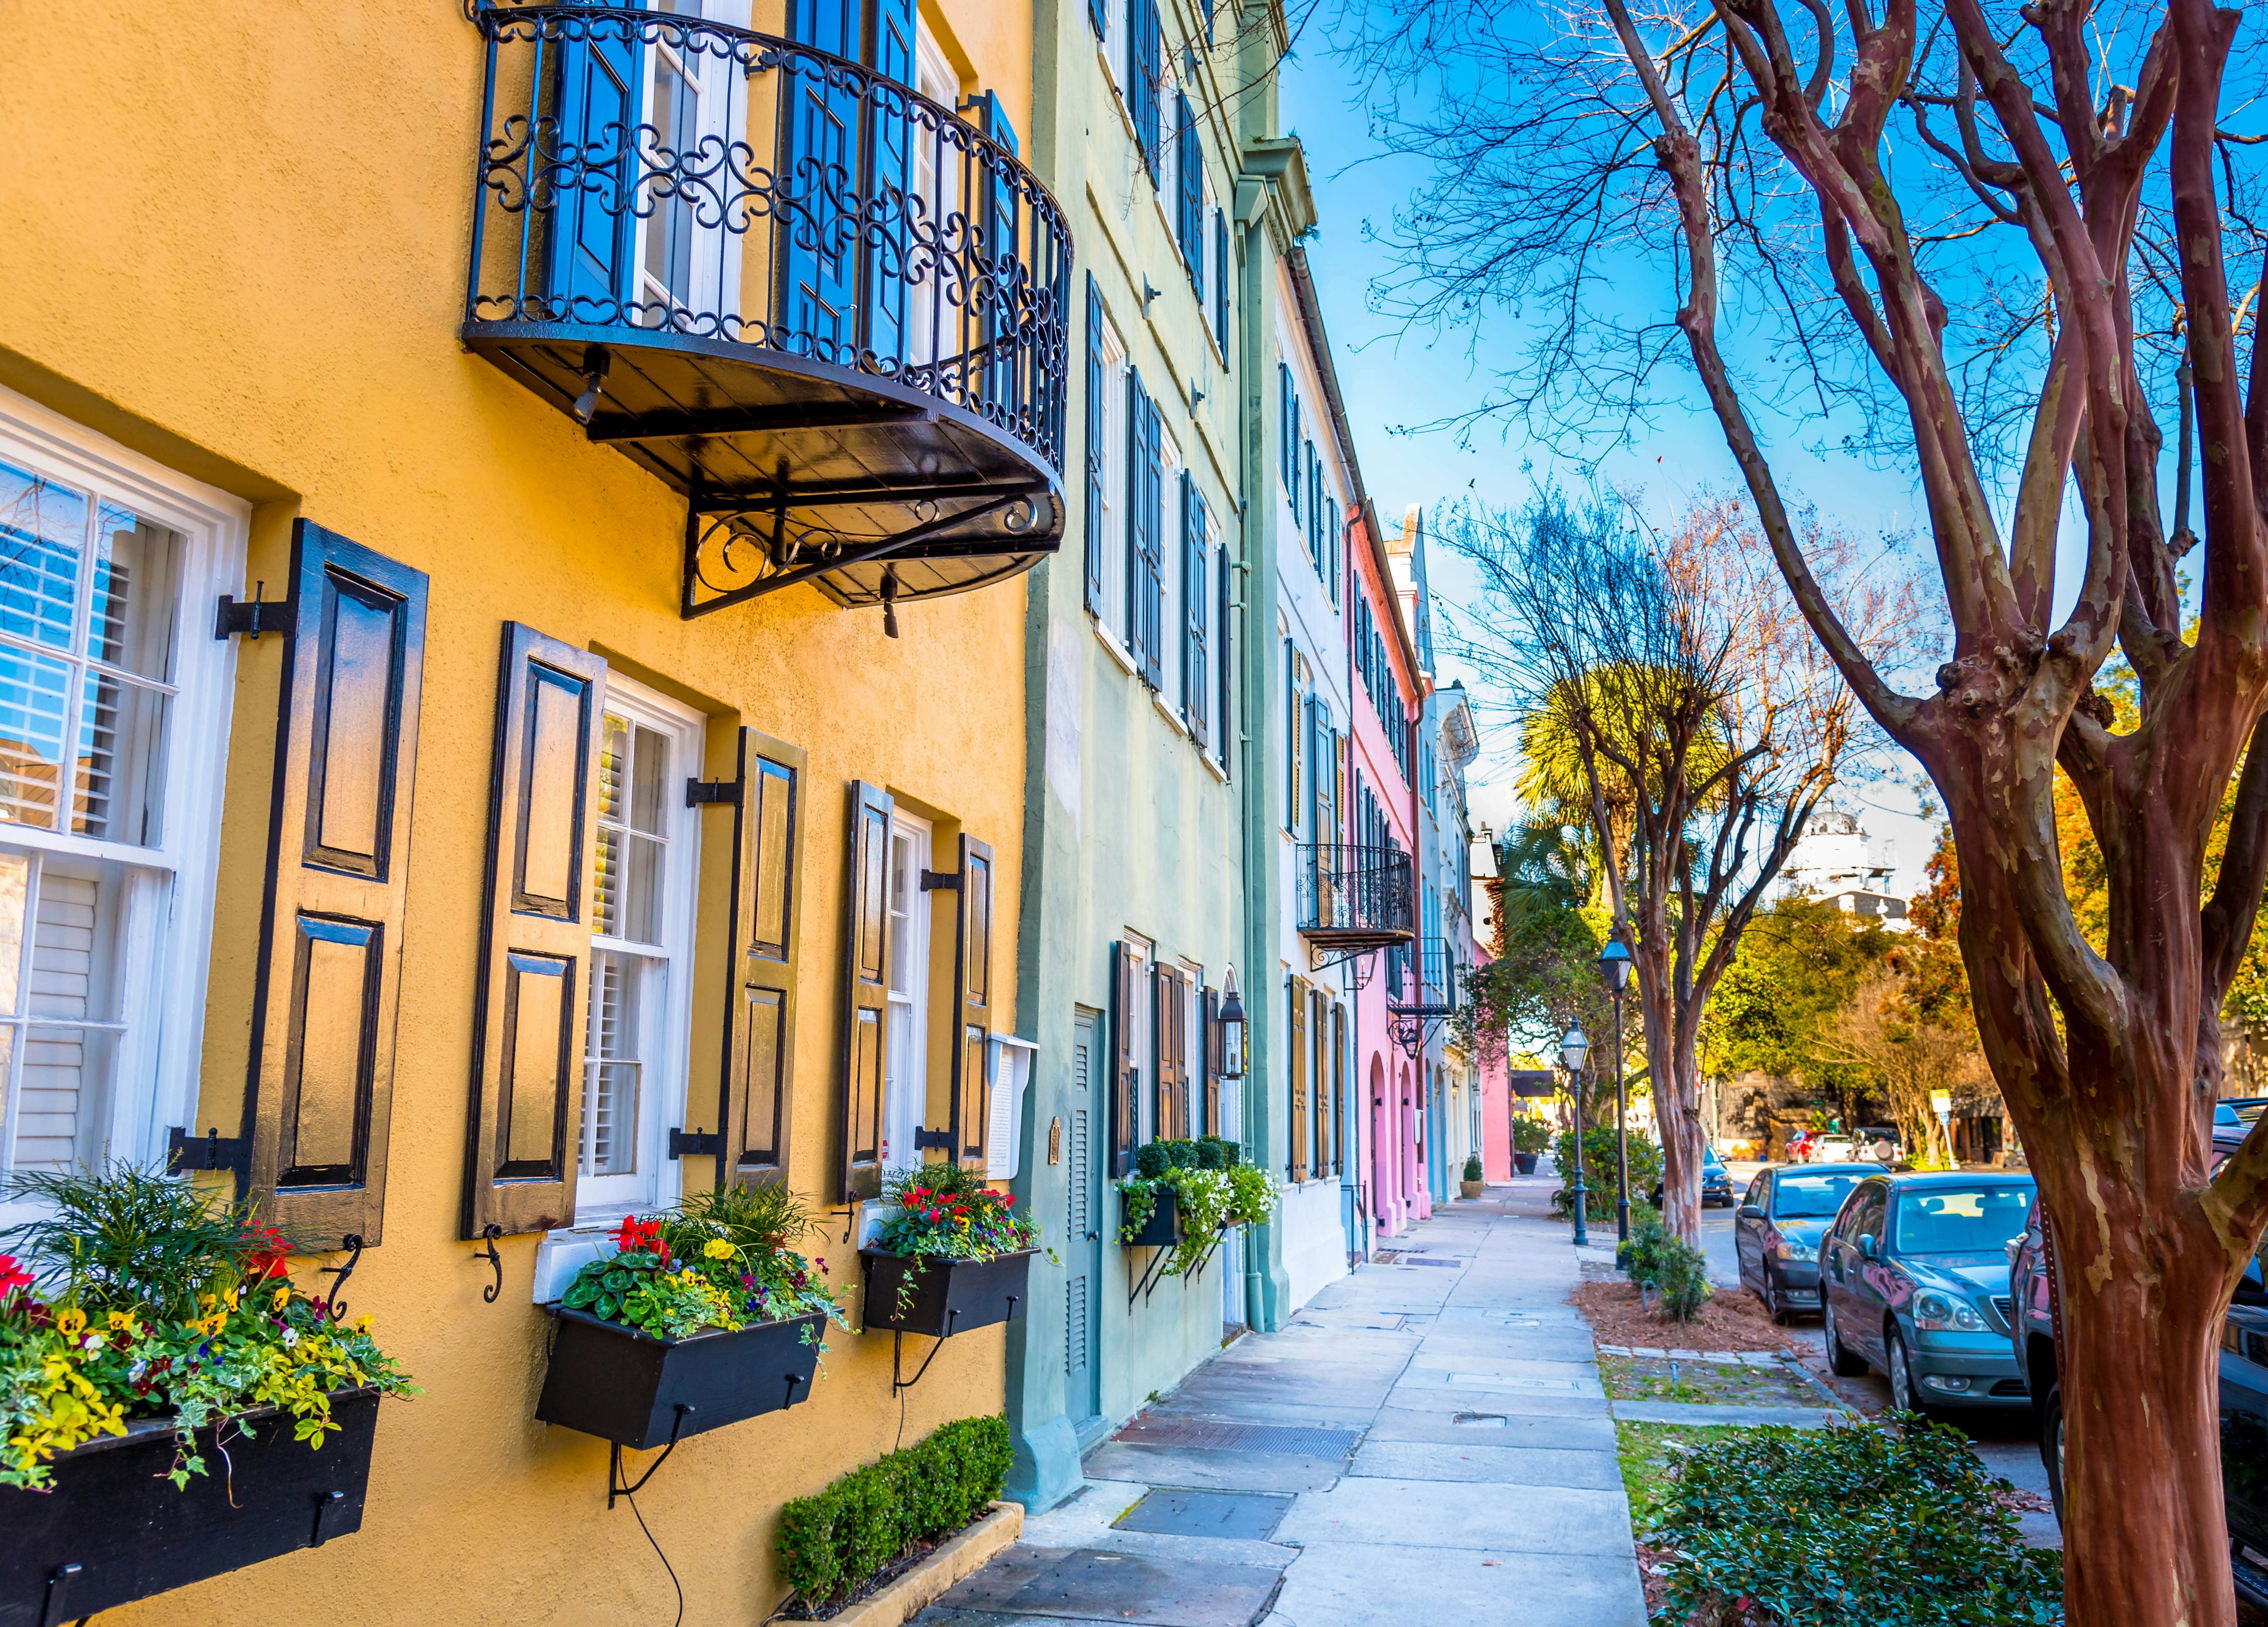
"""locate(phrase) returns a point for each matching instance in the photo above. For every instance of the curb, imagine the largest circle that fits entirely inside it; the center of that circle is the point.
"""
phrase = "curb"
(920, 1587)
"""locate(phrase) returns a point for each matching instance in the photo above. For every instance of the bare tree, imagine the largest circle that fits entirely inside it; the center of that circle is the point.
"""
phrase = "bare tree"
(1786, 195)
(1668, 691)
(1908, 1060)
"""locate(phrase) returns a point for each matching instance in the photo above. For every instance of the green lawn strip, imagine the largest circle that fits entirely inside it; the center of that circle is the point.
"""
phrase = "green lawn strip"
(1648, 1455)
(1644, 1377)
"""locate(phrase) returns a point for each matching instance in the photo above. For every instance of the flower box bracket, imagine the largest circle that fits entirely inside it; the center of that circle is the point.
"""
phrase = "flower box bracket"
(1147, 1283)
(898, 1381)
(615, 1486)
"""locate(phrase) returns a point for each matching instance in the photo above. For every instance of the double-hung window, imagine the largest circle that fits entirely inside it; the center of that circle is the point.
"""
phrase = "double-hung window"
(113, 732)
(905, 1087)
(647, 862)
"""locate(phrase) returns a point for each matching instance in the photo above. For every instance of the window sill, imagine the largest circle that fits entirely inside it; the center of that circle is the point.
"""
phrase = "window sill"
(1118, 651)
(567, 1251)
(1216, 771)
(1166, 710)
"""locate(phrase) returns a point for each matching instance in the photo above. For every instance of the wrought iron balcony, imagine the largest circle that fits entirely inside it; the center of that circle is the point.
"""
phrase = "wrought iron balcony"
(1354, 897)
(1421, 978)
(828, 310)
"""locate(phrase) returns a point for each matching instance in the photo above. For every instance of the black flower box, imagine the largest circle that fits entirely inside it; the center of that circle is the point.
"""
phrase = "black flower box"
(625, 1385)
(940, 1298)
(114, 1529)
(1163, 1228)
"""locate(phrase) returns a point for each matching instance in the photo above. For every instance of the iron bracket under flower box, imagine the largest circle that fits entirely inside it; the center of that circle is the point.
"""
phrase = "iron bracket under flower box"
(625, 1385)
(114, 1529)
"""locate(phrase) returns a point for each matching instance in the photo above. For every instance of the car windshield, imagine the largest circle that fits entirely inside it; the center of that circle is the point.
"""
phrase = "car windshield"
(1808, 1197)
(1957, 1220)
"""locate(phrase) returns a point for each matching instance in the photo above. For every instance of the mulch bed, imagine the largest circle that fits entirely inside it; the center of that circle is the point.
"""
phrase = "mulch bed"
(1730, 1320)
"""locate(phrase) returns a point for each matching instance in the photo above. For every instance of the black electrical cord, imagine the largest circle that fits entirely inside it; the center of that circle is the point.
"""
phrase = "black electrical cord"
(664, 1558)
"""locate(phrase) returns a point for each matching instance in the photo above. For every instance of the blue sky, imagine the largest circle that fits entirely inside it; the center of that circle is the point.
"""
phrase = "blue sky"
(1391, 380)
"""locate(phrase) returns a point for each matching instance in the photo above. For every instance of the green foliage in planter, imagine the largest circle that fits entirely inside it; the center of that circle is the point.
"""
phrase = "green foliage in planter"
(1530, 1135)
(1213, 1185)
(1473, 1168)
(1599, 1166)
(832, 1544)
(1893, 1523)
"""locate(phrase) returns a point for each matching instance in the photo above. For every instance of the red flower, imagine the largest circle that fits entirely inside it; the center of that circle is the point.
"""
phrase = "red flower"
(12, 1276)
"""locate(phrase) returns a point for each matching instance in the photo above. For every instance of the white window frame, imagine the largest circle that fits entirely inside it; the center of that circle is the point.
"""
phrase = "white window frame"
(167, 948)
(1169, 562)
(715, 253)
(905, 1082)
(1143, 1045)
(1113, 474)
(668, 1013)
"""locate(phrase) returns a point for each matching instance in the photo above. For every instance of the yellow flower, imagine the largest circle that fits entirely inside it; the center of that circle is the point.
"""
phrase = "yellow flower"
(71, 1324)
(282, 1298)
(212, 1324)
(229, 1298)
(717, 1248)
(122, 1322)
(361, 1323)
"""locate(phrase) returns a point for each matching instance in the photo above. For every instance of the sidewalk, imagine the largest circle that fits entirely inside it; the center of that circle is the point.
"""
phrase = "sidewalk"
(1426, 1441)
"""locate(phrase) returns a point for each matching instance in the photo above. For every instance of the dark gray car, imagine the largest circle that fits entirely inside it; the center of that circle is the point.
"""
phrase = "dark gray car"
(1776, 1231)
(1914, 1276)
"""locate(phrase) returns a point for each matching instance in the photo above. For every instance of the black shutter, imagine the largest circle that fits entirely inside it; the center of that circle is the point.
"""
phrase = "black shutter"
(762, 959)
(529, 1017)
(1193, 610)
(865, 992)
(1098, 422)
(1125, 1076)
(319, 1090)
(1144, 69)
(972, 980)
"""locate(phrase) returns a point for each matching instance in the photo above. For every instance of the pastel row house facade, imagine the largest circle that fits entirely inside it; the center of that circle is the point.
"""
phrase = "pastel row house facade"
(602, 602)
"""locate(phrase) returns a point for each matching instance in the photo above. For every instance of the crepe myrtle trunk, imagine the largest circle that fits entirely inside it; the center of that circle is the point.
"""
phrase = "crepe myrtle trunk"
(1674, 1074)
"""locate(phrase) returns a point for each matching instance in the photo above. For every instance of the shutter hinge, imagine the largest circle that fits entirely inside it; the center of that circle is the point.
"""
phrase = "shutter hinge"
(185, 1151)
(256, 615)
(702, 793)
(941, 1139)
(940, 881)
(697, 1144)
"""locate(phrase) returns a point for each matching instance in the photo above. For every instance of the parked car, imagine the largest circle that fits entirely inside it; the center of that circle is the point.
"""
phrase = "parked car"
(1913, 1277)
(1776, 1232)
(1833, 1150)
(2243, 1395)
(1879, 1144)
(1716, 1182)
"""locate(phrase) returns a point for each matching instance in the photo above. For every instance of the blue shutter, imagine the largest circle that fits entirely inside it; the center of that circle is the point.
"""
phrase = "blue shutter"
(1098, 425)
(1145, 66)
(1224, 652)
(1193, 611)
(819, 142)
(598, 92)
(1098, 13)
(1189, 184)
(1144, 525)
(1220, 281)
(1287, 434)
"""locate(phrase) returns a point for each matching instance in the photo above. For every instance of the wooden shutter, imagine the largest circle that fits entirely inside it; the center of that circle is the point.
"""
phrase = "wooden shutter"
(1125, 1076)
(972, 981)
(865, 992)
(1097, 426)
(1189, 185)
(1298, 987)
(1212, 1051)
(1291, 739)
(1338, 1088)
(1098, 12)
(767, 909)
(1224, 658)
(1164, 1047)
(1326, 1124)
(1150, 538)
(318, 1092)
(528, 1019)
(1144, 69)
(1220, 282)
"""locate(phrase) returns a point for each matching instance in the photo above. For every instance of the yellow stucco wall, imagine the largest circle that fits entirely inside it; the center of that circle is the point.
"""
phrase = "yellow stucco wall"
(233, 238)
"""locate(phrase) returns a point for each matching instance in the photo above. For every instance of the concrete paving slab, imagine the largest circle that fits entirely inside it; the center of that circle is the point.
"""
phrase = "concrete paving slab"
(1445, 1402)
(1587, 1434)
(1099, 1585)
(1576, 1468)
(1417, 1514)
(1246, 1516)
(1696, 1415)
(1357, 1585)
(1226, 1471)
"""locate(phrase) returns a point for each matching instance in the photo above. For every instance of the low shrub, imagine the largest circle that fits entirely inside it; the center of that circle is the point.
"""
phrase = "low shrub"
(833, 1542)
(1530, 1135)
(1599, 1166)
(1639, 1255)
(1681, 1273)
(1473, 1168)
(1894, 1523)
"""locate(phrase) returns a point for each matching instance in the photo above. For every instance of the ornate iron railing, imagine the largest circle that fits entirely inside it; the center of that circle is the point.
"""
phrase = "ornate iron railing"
(1421, 978)
(656, 178)
(1354, 894)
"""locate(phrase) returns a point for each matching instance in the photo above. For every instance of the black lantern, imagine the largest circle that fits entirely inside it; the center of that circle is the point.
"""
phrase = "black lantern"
(1615, 966)
(1231, 1018)
(1573, 1050)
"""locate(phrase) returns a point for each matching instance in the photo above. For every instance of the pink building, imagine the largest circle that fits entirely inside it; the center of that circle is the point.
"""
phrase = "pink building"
(1381, 814)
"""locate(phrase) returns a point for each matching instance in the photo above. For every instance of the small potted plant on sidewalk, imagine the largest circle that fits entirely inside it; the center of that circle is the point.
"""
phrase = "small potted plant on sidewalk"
(1529, 1137)
(173, 1406)
(703, 1316)
(1200, 1188)
(1474, 1182)
(952, 1255)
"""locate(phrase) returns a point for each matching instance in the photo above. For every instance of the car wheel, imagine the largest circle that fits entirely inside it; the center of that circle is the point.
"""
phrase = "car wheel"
(1840, 1362)
(1903, 1396)
(2052, 1445)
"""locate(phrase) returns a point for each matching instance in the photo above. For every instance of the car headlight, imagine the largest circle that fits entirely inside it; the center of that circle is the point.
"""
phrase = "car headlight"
(1942, 1313)
(1795, 1248)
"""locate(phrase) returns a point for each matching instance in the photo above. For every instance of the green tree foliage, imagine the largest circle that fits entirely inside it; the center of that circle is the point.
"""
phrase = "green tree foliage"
(1800, 962)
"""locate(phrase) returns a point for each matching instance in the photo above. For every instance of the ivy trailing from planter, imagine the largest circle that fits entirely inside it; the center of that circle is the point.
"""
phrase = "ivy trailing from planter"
(133, 1295)
(1213, 1186)
(835, 1542)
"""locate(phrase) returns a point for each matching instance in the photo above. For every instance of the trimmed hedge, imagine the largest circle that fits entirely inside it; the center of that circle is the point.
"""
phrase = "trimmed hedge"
(834, 1541)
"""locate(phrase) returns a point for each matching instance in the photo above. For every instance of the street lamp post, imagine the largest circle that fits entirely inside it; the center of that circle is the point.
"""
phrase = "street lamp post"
(1614, 967)
(1572, 1049)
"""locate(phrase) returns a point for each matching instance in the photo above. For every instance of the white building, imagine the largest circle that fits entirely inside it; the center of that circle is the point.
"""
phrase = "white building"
(1833, 859)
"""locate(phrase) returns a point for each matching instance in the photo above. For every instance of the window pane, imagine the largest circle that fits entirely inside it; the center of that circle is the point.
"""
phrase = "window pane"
(610, 1103)
(650, 764)
(42, 528)
(66, 1084)
(640, 918)
(122, 761)
(607, 910)
(15, 895)
(614, 764)
(75, 942)
(136, 582)
(34, 691)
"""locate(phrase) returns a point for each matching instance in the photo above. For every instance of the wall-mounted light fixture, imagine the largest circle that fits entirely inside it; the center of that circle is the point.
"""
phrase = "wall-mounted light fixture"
(1231, 1017)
